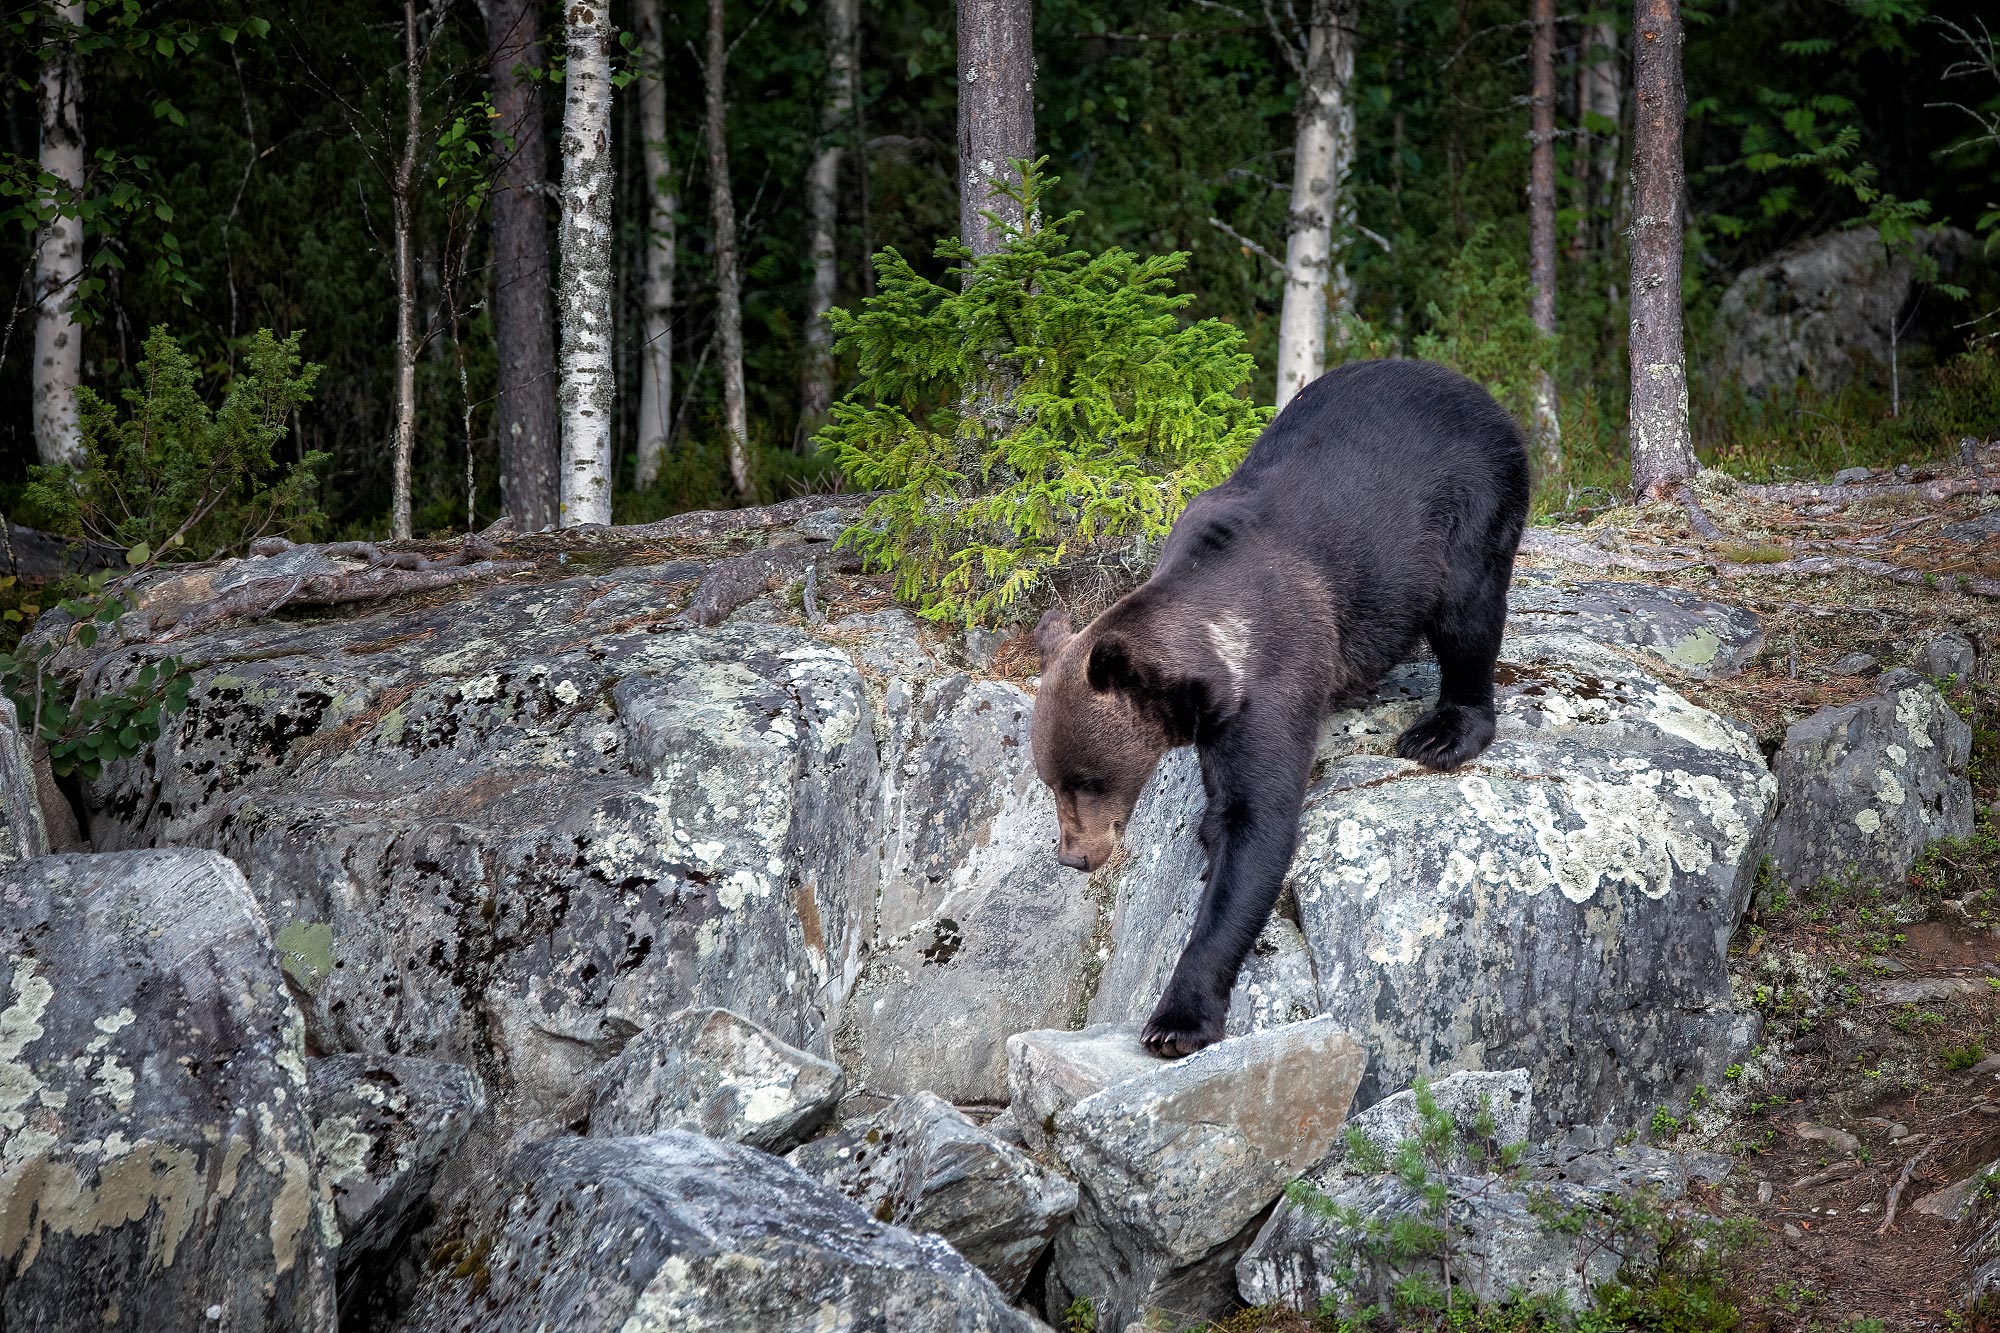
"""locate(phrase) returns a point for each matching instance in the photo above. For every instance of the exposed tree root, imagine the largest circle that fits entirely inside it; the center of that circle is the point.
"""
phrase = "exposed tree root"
(1578, 551)
(1896, 1190)
(1800, 493)
(730, 583)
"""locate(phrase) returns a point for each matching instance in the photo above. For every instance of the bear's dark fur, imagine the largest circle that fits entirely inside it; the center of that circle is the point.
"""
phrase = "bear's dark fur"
(1385, 502)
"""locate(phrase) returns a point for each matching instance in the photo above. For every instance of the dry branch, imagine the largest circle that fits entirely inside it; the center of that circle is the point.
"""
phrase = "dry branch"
(1896, 1190)
(264, 597)
(1800, 492)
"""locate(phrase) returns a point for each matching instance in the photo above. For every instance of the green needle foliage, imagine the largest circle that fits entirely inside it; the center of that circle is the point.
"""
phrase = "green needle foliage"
(175, 478)
(1048, 408)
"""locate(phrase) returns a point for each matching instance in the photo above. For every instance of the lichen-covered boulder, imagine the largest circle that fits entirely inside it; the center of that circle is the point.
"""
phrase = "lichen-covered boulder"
(1824, 311)
(23, 835)
(1174, 1160)
(156, 1155)
(981, 933)
(1864, 786)
(675, 1233)
(715, 1073)
(1694, 636)
(511, 829)
(921, 1164)
(384, 1124)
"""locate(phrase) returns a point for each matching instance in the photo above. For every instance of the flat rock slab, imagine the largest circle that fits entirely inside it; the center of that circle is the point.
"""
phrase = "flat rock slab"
(384, 1125)
(1863, 787)
(717, 1074)
(156, 1155)
(921, 1164)
(1694, 636)
(674, 1233)
(1174, 1160)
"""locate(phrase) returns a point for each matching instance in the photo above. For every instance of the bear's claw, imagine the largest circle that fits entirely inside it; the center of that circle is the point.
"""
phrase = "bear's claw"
(1181, 1030)
(1447, 736)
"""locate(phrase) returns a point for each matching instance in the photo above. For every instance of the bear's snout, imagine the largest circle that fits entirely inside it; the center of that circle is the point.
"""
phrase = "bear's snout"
(1074, 860)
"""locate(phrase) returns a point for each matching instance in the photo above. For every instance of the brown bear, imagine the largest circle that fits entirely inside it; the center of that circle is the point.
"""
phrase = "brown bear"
(1384, 503)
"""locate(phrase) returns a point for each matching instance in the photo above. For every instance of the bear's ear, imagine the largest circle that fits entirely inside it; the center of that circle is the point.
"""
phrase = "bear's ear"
(1113, 664)
(1052, 635)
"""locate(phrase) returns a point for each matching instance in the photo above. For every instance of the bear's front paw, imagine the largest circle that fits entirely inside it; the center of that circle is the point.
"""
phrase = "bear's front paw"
(1181, 1027)
(1447, 736)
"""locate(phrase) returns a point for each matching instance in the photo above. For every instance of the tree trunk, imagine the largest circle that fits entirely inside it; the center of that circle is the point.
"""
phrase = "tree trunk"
(656, 297)
(1323, 150)
(402, 198)
(583, 290)
(822, 199)
(58, 364)
(996, 112)
(1662, 456)
(728, 282)
(523, 328)
(1601, 84)
(1542, 227)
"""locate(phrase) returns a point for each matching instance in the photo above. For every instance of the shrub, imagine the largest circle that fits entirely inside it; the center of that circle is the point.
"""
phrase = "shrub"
(1049, 406)
(174, 478)
(1483, 329)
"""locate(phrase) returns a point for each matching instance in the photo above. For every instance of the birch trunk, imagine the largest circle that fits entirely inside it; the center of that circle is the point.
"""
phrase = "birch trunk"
(822, 198)
(583, 289)
(58, 363)
(1542, 226)
(996, 112)
(1662, 455)
(523, 327)
(402, 202)
(656, 296)
(728, 281)
(1601, 87)
(1323, 150)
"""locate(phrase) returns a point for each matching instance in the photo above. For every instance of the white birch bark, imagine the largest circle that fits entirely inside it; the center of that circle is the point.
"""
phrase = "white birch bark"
(402, 206)
(58, 355)
(822, 201)
(656, 297)
(1323, 152)
(1600, 86)
(583, 287)
(728, 280)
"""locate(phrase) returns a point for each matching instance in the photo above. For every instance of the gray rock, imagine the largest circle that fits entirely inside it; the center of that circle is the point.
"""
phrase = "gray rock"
(384, 1125)
(1822, 310)
(23, 834)
(1950, 655)
(677, 1232)
(1864, 786)
(717, 1074)
(980, 933)
(1983, 528)
(1175, 1161)
(1467, 1096)
(1563, 904)
(1849, 475)
(156, 1156)
(922, 1165)
(510, 830)
(1855, 664)
(1699, 638)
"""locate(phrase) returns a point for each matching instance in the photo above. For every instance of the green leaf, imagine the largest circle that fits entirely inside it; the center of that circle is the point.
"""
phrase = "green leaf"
(139, 554)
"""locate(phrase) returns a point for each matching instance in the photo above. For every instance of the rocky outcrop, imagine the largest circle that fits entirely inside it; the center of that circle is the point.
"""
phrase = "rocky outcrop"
(1863, 787)
(384, 1124)
(156, 1156)
(717, 1074)
(1671, 626)
(1175, 1160)
(1822, 312)
(1563, 904)
(922, 1165)
(677, 1232)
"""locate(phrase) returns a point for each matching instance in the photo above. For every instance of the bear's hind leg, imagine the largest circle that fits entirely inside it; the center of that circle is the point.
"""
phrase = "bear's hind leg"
(1466, 638)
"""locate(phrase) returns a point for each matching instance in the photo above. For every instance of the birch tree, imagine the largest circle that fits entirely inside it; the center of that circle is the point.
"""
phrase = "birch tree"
(58, 363)
(1542, 225)
(1600, 85)
(523, 327)
(583, 287)
(1662, 454)
(656, 294)
(1323, 152)
(402, 206)
(728, 279)
(996, 111)
(822, 198)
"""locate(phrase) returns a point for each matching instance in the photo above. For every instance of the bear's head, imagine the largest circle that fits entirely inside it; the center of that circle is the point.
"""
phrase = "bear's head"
(1114, 698)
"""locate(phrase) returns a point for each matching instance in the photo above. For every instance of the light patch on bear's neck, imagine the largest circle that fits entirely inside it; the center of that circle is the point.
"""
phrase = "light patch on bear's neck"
(1230, 637)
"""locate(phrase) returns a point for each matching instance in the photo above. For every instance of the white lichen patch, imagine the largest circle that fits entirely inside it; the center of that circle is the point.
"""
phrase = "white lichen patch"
(20, 1027)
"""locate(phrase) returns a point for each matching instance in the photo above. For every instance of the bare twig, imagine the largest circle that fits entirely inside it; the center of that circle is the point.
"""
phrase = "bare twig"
(1248, 244)
(1896, 1190)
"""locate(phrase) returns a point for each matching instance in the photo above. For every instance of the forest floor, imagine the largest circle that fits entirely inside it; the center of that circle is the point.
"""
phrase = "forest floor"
(1881, 1001)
